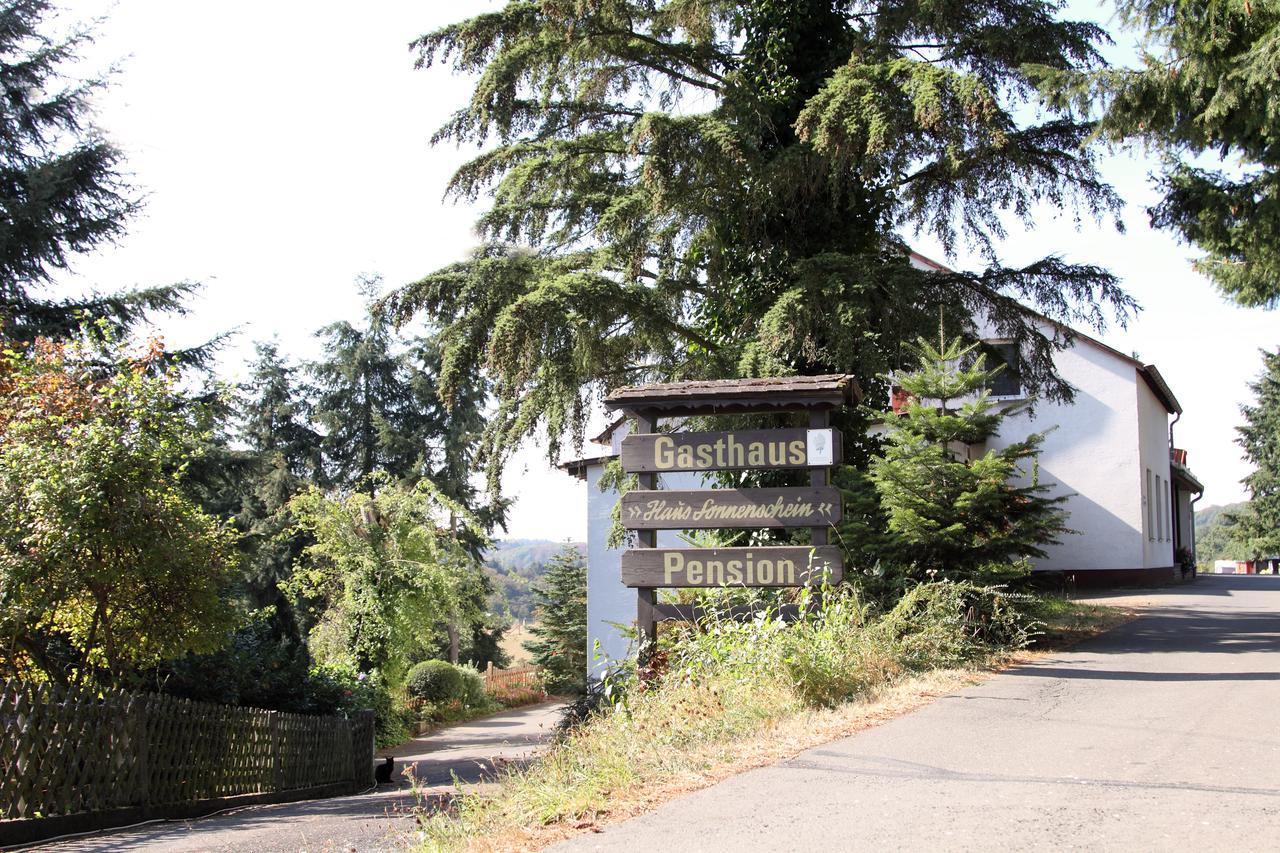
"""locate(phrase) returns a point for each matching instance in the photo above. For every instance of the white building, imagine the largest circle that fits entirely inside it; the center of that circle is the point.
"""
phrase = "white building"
(1110, 450)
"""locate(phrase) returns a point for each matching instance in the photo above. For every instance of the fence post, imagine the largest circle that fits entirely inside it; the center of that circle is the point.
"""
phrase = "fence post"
(362, 741)
(141, 751)
(277, 753)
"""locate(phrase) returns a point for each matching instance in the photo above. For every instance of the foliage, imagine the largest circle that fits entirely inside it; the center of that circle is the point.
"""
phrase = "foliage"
(62, 186)
(106, 564)
(560, 632)
(263, 668)
(1260, 438)
(952, 513)
(1206, 86)
(384, 569)
(345, 690)
(282, 455)
(707, 189)
(434, 681)
(472, 694)
(480, 638)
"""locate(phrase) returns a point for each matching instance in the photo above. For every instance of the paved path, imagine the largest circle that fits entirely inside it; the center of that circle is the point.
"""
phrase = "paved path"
(1161, 735)
(379, 820)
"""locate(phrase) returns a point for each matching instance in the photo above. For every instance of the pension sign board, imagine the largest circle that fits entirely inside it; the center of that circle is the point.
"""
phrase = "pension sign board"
(785, 565)
(759, 449)
(709, 509)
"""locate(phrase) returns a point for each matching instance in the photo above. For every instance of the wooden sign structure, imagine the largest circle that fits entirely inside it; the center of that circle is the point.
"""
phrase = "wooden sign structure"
(649, 509)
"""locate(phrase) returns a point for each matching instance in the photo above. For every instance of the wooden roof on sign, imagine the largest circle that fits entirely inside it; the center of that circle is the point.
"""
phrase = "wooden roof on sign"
(731, 396)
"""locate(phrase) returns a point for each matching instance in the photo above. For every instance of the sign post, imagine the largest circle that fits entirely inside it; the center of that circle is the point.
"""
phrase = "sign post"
(648, 509)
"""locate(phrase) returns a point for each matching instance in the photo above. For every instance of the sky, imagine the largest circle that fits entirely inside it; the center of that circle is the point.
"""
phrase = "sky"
(284, 151)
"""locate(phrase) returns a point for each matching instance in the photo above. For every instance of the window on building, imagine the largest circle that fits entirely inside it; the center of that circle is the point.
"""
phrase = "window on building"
(1159, 511)
(1168, 507)
(1147, 494)
(1008, 383)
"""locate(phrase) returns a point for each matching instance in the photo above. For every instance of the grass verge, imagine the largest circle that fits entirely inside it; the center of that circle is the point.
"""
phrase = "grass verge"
(711, 715)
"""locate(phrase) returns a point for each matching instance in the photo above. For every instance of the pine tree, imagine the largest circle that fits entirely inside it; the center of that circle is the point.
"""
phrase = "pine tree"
(1207, 86)
(275, 417)
(284, 459)
(952, 514)
(560, 630)
(61, 187)
(1260, 438)
(706, 189)
(372, 400)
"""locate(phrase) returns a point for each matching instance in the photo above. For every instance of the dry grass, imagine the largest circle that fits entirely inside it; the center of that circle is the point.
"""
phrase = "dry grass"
(513, 643)
(627, 764)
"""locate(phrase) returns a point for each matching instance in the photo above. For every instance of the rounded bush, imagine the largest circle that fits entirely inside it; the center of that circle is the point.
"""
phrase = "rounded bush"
(435, 681)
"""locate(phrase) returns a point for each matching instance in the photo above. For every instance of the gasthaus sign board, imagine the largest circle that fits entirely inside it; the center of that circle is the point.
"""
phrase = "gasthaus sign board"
(756, 449)
(693, 509)
(785, 565)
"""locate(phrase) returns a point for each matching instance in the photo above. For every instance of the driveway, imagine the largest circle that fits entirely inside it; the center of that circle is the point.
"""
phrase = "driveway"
(1160, 735)
(378, 820)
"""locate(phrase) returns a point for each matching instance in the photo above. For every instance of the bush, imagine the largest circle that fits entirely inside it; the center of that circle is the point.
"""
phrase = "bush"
(472, 693)
(343, 690)
(435, 681)
(950, 623)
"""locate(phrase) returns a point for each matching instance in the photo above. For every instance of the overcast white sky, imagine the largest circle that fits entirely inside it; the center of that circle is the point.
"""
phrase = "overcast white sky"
(283, 147)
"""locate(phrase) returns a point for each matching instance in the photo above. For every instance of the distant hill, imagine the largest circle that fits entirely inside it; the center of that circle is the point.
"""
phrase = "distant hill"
(1217, 540)
(1211, 516)
(514, 565)
(523, 554)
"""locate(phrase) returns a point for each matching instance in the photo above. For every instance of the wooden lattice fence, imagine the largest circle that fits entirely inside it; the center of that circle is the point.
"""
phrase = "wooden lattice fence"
(68, 751)
(520, 676)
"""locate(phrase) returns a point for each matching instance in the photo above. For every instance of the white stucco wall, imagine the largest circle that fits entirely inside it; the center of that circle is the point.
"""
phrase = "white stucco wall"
(1090, 454)
(1153, 454)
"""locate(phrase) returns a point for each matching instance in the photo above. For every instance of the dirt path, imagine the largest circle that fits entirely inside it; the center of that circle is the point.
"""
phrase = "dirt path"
(378, 820)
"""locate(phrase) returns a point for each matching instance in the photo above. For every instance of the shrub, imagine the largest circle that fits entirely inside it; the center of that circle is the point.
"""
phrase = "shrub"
(949, 623)
(436, 681)
(515, 695)
(832, 655)
(472, 692)
(345, 690)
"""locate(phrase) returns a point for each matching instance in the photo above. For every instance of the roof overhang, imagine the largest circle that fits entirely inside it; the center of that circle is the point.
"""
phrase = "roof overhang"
(737, 396)
(1160, 388)
(578, 467)
(1184, 477)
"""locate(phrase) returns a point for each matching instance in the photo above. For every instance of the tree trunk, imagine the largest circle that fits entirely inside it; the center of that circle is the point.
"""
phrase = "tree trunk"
(452, 628)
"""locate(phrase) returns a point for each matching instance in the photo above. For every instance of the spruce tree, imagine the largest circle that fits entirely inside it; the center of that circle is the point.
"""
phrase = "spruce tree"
(1206, 87)
(560, 630)
(284, 459)
(954, 513)
(709, 189)
(62, 191)
(1260, 438)
(374, 404)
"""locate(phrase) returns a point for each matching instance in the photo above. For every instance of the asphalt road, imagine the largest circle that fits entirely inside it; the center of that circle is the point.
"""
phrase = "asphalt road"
(1161, 735)
(379, 820)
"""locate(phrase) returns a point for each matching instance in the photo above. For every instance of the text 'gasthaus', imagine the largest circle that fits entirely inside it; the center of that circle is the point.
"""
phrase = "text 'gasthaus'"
(725, 452)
